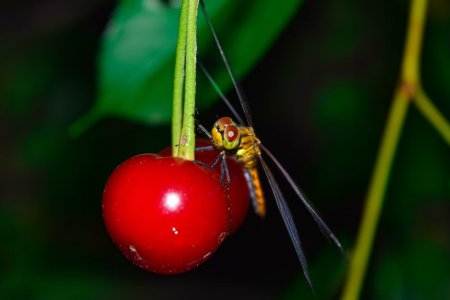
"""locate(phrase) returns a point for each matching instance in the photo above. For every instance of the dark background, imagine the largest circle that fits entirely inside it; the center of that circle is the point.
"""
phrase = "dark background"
(320, 97)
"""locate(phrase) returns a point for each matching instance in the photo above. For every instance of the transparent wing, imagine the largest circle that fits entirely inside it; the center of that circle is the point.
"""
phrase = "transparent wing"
(320, 223)
(222, 96)
(287, 219)
(236, 84)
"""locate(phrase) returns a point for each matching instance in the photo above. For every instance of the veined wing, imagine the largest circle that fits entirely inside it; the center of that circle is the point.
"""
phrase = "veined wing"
(236, 84)
(320, 223)
(287, 219)
(222, 96)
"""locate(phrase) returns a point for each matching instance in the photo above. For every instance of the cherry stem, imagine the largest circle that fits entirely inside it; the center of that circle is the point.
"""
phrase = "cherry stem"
(183, 139)
(180, 58)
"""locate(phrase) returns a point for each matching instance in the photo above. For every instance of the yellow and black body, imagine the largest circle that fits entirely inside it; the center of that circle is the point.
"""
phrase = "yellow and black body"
(241, 143)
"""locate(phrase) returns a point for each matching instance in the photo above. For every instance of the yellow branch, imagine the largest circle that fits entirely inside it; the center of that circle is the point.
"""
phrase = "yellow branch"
(374, 201)
(411, 54)
(432, 114)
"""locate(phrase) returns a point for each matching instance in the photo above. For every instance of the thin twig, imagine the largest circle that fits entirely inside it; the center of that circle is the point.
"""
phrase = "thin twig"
(392, 132)
(424, 104)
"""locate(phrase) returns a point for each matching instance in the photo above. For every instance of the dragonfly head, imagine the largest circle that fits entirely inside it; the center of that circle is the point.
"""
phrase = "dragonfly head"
(226, 134)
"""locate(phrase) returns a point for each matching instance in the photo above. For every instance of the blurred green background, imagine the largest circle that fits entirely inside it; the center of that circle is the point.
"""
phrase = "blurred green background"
(319, 76)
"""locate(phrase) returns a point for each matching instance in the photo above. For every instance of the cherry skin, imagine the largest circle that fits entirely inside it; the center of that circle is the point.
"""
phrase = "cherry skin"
(238, 192)
(167, 215)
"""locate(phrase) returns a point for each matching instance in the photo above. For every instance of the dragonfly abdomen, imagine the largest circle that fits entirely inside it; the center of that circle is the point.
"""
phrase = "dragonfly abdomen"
(256, 192)
(248, 154)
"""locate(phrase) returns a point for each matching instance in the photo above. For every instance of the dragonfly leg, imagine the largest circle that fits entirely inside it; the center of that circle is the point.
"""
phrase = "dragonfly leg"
(204, 148)
(214, 164)
(224, 172)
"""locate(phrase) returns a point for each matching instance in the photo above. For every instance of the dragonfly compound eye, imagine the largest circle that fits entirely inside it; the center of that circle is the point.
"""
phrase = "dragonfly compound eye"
(231, 133)
(224, 121)
(231, 137)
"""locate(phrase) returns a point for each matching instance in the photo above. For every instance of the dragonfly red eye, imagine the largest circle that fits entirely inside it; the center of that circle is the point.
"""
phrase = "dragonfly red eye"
(224, 121)
(231, 133)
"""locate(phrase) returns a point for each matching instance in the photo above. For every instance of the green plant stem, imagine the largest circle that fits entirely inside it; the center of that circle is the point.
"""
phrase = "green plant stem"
(180, 59)
(187, 139)
(432, 114)
(374, 201)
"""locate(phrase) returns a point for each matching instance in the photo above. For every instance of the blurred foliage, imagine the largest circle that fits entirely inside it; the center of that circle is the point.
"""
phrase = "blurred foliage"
(320, 95)
(136, 63)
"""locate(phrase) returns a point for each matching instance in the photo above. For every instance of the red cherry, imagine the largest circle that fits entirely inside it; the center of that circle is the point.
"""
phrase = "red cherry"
(167, 215)
(238, 192)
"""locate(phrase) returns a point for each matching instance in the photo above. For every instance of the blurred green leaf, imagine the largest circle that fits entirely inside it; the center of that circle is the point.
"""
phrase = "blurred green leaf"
(138, 48)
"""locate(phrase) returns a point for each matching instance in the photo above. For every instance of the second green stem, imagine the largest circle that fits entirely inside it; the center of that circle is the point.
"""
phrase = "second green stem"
(187, 138)
(403, 95)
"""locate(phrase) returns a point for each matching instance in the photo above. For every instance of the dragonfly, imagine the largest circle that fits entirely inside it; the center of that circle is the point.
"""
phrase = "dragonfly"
(237, 139)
